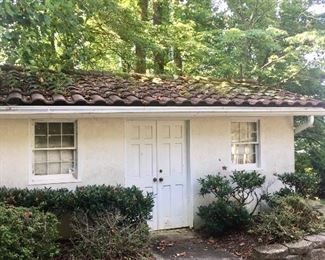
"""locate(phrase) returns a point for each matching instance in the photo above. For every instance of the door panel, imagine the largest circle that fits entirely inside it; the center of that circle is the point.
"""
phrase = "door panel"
(141, 159)
(157, 149)
(172, 169)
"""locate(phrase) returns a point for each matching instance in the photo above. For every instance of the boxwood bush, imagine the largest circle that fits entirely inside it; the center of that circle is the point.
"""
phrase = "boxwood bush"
(128, 201)
(27, 233)
(221, 216)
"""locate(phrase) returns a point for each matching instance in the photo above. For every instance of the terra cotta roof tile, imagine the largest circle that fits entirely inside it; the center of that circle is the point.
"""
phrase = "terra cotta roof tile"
(21, 87)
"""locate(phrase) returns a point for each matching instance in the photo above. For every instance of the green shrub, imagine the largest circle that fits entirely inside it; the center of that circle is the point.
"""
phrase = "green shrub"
(27, 234)
(232, 196)
(217, 185)
(283, 192)
(289, 218)
(241, 187)
(109, 236)
(245, 185)
(130, 202)
(304, 184)
(221, 216)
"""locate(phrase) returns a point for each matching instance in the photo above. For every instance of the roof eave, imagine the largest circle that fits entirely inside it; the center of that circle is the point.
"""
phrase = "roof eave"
(154, 111)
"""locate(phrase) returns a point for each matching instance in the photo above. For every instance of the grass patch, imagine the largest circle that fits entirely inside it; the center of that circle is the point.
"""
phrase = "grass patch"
(322, 201)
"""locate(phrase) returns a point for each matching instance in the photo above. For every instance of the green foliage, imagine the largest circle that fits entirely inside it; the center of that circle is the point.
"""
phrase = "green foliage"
(289, 218)
(304, 184)
(130, 202)
(45, 34)
(27, 234)
(283, 192)
(245, 186)
(217, 185)
(222, 216)
(250, 38)
(241, 186)
(310, 150)
(109, 236)
(228, 211)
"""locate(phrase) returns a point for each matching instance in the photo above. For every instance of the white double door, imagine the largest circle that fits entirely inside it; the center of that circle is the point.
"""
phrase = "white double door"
(156, 163)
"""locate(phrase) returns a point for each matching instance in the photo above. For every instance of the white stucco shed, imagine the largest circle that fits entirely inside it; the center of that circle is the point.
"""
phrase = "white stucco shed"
(163, 152)
(159, 134)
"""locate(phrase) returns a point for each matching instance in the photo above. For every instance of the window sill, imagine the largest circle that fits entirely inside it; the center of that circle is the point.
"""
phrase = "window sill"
(39, 180)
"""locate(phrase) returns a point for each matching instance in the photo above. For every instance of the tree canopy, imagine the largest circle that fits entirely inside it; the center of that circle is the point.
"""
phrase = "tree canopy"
(263, 39)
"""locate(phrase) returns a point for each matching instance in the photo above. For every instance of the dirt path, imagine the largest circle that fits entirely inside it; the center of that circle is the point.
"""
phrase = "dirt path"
(185, 244)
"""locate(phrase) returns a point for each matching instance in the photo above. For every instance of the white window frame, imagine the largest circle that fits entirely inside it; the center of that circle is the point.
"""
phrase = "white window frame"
(54, 178)
(247, 166)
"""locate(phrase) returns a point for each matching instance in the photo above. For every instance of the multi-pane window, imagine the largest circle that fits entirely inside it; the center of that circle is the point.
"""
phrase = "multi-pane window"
(244, 142)
(54, 148)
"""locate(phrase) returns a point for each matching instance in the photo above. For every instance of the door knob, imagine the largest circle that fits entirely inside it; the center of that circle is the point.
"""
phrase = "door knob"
(154, 179)
(160, 170)
(161, 179)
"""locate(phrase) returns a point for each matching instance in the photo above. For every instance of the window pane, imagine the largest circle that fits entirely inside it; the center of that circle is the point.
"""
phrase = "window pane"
(243, 153)
(54, 128)
(244, 132)
(249, 148)
(67, 168)
(55, 141)
(252, 126)
(68, 128)
(40, 169)
(55, 160)
(252, 130)
(54, 168)
(40, 141)
(244, 139)
(67, 156)
(251, 158)
(240, 159)
(40, 128)
(253, 137)
(54, 156)
(240, 149)
(68, 141)
(235, 132)
(40, 156)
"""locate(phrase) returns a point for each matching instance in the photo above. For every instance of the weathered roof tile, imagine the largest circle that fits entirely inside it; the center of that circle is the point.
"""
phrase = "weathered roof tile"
(100, 89)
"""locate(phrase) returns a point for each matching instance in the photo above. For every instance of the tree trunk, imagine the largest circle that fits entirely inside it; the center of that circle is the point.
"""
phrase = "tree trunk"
(177, 56)
(140, 51)
(159, 57)
(178, 61)
(140, 66)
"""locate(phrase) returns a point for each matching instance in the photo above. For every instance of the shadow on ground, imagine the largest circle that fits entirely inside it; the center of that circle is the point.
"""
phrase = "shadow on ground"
(185, 244)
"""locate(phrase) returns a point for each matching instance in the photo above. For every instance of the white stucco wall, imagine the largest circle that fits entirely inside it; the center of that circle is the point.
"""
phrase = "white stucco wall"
(14, 152)
(101, 151)
(210, 148)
